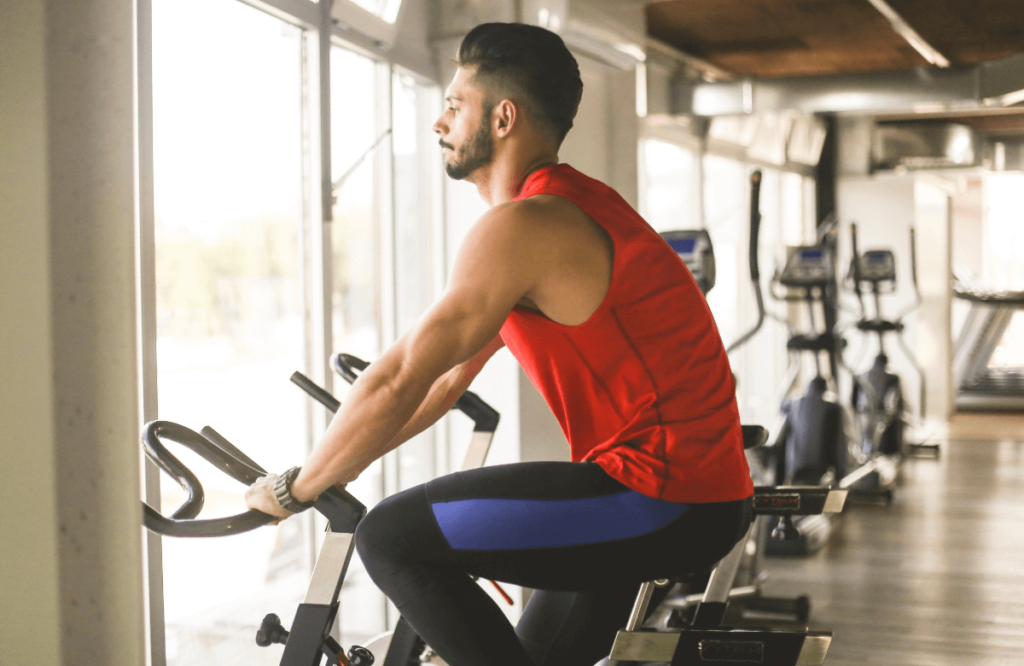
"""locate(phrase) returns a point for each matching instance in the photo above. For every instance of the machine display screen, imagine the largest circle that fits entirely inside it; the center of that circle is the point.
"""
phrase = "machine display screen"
(877, 258)
(683, 245)
(811, 255)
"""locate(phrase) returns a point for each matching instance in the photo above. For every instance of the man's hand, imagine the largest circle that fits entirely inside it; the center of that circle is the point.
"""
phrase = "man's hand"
(260, 496)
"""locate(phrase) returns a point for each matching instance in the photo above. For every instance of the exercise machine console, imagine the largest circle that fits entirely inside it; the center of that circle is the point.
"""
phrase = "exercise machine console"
(695, 249)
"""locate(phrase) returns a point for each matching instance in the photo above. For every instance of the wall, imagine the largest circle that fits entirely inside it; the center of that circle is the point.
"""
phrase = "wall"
(73, 581)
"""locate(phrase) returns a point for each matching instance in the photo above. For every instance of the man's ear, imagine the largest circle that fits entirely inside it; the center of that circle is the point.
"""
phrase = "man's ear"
(506, 113)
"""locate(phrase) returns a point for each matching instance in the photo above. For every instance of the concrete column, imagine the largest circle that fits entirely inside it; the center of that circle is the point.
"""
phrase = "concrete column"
(74, 407)
(30, 613)
(933, 218)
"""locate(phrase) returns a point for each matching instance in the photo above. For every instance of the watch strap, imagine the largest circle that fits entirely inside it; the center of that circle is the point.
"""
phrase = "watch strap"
(283, 492)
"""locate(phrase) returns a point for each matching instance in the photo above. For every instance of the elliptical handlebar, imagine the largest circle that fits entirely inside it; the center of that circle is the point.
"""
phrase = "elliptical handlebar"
(913, 276)
(755, 223)
(855, 268)
(913, 261)
(755, 269)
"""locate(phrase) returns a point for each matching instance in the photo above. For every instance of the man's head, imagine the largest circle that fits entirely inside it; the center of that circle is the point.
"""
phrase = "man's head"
(507, 65)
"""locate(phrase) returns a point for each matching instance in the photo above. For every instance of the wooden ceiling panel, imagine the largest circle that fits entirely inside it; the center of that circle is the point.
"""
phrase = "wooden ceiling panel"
(774, 38)
(967, 31)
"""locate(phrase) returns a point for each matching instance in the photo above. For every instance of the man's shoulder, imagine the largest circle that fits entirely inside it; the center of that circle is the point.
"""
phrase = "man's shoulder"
(537, 215)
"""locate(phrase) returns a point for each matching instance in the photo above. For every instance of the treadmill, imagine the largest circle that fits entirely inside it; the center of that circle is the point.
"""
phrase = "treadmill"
(981, 387)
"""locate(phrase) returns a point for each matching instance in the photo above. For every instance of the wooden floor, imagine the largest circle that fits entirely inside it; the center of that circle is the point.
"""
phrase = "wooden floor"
(935, 579)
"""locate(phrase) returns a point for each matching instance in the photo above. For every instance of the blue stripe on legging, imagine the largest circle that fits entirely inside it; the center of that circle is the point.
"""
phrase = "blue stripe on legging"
(511, 524)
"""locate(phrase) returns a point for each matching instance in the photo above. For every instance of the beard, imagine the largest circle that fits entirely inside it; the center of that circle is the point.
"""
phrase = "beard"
(475, 153)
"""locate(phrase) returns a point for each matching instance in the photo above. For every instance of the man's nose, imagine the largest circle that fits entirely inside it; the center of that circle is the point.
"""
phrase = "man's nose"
(439, 127)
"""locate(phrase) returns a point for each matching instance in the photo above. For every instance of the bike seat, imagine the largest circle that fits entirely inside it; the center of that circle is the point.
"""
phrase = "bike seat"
(754, 436)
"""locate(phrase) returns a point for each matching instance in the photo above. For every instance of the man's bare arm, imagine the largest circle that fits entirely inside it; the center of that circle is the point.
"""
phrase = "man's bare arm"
(501, 260)
(443, 395)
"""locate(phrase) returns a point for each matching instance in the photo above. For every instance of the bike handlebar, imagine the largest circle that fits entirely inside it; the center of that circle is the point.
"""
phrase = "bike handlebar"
(342, 510)
(183, 522)
(485, 417)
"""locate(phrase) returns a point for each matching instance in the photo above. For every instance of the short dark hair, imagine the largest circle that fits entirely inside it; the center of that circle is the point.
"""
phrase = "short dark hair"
(515, 60)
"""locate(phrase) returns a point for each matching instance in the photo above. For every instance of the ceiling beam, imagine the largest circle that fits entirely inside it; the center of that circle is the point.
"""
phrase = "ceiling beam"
(903, 29)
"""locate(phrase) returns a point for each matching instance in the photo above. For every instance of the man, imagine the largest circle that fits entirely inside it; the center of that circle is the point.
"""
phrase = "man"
(610, 327)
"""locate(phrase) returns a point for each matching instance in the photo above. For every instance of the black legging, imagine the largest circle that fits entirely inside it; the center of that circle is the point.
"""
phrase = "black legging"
(580, 538)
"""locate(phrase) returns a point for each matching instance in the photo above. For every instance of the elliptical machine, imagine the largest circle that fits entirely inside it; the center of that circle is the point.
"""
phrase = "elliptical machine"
(877, 395)
(811, 445)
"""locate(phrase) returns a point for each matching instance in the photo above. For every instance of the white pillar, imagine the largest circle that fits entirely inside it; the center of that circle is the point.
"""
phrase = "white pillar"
(74, 587)
(31, 607)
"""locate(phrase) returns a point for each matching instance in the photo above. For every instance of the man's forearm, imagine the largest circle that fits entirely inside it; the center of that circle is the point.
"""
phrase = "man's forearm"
(394, 400)
(378, 407)
(442, 397)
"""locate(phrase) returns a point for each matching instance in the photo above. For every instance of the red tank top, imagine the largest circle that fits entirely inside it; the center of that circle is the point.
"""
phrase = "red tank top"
(643, 388)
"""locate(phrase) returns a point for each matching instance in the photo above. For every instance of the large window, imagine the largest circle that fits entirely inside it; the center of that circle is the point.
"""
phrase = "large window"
(726, 217)
(360, 143)
(1004, 257)
(384, 264)
(668, 188)
(230, 211)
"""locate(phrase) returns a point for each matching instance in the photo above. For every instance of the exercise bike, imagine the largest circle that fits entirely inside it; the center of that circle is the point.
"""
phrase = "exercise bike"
(309, 639)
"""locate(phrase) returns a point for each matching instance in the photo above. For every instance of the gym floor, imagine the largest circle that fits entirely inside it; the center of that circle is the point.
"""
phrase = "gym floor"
(937, 577)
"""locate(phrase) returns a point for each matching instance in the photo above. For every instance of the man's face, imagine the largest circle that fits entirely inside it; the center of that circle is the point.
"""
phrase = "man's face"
(465, 128)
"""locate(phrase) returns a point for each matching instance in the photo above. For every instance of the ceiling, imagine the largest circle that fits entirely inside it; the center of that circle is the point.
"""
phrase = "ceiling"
(773, 38)
(787, 38)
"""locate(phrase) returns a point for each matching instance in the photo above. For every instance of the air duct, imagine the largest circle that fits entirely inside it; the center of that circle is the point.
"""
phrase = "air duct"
(923, 145)
(989, 84)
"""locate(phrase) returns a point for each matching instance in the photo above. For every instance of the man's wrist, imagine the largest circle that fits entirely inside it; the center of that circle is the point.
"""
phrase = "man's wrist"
(284, 492)
(300, 490)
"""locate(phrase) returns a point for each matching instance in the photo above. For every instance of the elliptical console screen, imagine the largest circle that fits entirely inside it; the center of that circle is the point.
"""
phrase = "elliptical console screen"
(808, 266)
(877, 266)
(694, 248)
(684, 247)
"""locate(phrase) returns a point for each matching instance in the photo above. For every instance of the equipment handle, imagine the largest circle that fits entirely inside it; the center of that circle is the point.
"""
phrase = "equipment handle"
(182, 522)
(755, 270)
(913, 260)
(315, 391)
(346, 365)
(350, 367)
(855, 267)
(485, 418)
(755, 223)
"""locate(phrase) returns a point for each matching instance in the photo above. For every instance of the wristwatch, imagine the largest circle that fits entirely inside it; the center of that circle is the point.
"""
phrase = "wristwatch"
(283, 492)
